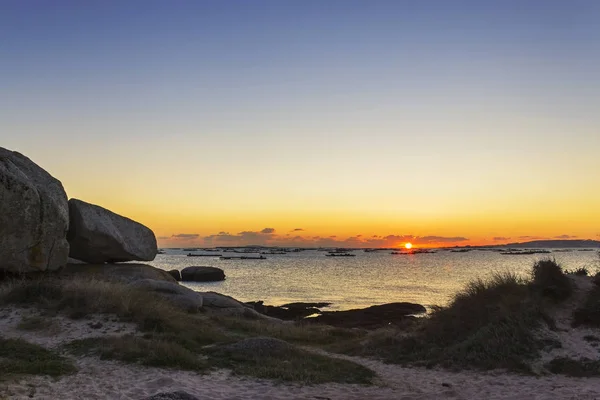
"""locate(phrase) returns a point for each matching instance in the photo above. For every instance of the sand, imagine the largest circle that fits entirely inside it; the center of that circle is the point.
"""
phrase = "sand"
(98, 379)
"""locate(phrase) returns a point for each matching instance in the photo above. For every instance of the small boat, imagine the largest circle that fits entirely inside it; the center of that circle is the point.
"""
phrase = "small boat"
(203, 255)
(243, 258)
(409, 253)
(340, 255)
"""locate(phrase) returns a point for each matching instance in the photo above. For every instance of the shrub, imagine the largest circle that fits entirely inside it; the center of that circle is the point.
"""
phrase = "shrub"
(580, 368)
(20, 357)
(589, 312)
(488, 325)
(550, 281)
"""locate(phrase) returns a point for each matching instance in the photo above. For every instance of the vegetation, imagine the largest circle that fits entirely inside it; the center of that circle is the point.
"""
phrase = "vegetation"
(153, 352)
(173, 338)
(292, 364)
(550, 280)
(580, 368)
(490, 324)
(37, 323)
(18, 357)
(589, 312)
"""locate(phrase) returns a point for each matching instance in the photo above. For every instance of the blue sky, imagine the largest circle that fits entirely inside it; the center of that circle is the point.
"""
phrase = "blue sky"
(435, 107)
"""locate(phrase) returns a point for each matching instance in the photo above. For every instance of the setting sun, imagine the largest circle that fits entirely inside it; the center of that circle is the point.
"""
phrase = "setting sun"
(408, 245)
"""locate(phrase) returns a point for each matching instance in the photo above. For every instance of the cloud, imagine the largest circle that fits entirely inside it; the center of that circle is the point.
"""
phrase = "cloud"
(270, 237)
(500, 238)
(527, 237)
(185, 236)
(565, 237)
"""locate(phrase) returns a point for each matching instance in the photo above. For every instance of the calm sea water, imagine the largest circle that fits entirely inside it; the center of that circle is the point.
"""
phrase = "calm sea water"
(361, 281)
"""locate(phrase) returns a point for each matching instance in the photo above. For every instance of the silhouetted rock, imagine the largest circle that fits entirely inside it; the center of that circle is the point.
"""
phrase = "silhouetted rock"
(180, 296)
(372, 317)
(175, 274)
(34, 216)
(118, 272)
(202, 274)
(98, 235)
(218, 300)
(289, 312)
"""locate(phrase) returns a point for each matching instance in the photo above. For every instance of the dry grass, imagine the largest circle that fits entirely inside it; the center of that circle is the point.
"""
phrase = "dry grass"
(18, 357)
(173, 338)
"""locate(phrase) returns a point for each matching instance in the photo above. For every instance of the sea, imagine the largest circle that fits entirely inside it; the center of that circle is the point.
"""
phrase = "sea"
(368, 278)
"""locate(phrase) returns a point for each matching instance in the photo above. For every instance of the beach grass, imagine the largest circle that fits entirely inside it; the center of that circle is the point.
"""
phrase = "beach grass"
(172, 338)
(19, 357)
(583, 368)
(588, 313)
(152, 352)
(292, 364)
(490, 324)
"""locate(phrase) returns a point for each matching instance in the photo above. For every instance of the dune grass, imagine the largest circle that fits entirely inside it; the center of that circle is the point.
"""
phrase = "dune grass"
(579, 368)
(293, 364)
(490, 324)
(588, 313)
(18, 357)
(152, 352)
(172, 338)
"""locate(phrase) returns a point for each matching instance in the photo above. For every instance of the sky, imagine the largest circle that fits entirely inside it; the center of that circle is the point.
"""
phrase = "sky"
(351, 123)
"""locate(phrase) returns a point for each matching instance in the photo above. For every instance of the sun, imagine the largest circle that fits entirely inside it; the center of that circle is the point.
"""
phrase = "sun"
(408, 246)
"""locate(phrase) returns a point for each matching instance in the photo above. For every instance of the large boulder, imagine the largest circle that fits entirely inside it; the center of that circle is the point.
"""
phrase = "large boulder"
(125, 273)
(218, 300)
(180, 296)
(202, 274)
(34, 217)
(98, 235)
(371, 317)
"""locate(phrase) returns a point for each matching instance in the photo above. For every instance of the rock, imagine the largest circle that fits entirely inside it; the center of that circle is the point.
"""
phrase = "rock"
(172, 396)
(244, 312)
(126, 273)
(218, 300)
(97, 235)
(175, 274)
(180, 296)
(372, 317)
(289, 312)
(34, 216)
(202, 274)
(259, 346)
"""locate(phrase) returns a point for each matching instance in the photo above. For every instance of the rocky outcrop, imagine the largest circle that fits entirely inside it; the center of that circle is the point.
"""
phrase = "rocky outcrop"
(372, 317)
(291, 311)
(175, 274)
(180, 296)
(125, 273)
(218, 300)
(34, 217)
(202, 274)
(98, 235)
